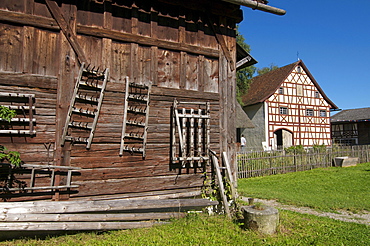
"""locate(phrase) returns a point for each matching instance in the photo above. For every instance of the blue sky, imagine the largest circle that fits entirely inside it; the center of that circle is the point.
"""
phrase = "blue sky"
(332, 37)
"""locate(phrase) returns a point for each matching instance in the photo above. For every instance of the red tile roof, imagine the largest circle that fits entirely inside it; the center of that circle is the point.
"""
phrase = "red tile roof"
(263, 86)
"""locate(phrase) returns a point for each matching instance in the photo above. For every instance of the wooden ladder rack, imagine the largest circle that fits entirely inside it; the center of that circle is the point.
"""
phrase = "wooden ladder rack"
(85, 105)
(35, 170)
(190, 133)
(135, 118)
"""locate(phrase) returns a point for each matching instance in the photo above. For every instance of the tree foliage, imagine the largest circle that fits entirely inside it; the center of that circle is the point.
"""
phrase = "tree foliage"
(243, 76)
(264, 70)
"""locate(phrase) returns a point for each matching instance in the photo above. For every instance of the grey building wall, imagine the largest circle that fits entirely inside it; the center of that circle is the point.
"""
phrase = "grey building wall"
(256, 135)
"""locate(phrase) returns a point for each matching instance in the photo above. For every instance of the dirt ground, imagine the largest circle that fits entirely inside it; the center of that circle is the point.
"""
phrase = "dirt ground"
(362, 217)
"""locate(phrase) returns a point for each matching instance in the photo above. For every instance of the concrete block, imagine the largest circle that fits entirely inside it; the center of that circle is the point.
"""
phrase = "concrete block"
(345, 161)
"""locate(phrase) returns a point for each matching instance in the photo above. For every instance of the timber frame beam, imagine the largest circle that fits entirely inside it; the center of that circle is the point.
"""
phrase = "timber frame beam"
(67, 31)
(222, 43)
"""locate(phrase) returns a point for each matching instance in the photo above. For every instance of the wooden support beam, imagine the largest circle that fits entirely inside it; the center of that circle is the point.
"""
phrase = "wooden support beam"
(229, 175)
(67, 31)
(74, 226)
(29, 20)
(96, 206)
(133, 38)
(220, 184)
(89, 217)
(221, 42)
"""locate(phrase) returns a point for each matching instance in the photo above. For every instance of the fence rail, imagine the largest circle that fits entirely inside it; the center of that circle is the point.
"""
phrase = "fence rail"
(262, 163)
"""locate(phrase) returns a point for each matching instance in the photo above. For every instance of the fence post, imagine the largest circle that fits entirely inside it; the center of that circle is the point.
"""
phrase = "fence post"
(295, 162)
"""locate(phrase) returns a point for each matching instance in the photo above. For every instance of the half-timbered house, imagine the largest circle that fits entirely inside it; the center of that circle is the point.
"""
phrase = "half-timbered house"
(131, 94)
(287, 107)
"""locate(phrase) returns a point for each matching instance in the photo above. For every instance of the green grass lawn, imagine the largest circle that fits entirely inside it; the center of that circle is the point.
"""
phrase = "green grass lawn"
(294, 229)
(323, 189)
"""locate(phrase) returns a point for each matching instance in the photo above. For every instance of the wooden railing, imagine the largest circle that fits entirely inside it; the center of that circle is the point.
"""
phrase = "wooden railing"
(263, 163)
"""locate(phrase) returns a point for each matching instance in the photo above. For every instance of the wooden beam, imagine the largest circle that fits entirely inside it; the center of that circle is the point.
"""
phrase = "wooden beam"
(74, 226)
(229, 176)
(67, 31)
(221, 184)
(29, 20)
(96, 206)
(29, 80)
(89, 217)
(221, 42)
(132, 38)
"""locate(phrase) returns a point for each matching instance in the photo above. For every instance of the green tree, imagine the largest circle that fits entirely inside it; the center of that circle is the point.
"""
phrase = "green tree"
(264, 70)
(243, 76)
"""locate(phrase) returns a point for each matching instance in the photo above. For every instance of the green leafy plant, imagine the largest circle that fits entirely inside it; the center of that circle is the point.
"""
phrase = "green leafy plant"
(13, 157)
(319, 148)
(6, 113)
(10, 160)
(295, 149)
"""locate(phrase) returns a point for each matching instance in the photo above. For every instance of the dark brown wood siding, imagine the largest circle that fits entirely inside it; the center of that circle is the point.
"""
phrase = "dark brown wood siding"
(168, 43)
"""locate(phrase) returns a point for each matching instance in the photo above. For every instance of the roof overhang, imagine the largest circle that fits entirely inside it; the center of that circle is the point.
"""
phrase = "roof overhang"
(243, 58)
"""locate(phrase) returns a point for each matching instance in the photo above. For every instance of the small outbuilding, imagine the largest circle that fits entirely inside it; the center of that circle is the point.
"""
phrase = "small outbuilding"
(351, 126)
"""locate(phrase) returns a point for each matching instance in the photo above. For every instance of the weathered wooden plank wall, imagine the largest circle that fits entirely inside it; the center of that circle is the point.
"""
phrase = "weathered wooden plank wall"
(169, 43)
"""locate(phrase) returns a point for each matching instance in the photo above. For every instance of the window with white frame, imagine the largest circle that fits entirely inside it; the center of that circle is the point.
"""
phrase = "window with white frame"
(322, 113)
(317, 94)
(283, 110)
(309, 112)
(281, 90)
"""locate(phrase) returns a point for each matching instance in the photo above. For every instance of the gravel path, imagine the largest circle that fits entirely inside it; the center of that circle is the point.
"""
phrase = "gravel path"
(360, 218)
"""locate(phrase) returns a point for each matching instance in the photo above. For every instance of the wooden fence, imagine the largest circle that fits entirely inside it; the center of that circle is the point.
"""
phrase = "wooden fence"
(263, 163)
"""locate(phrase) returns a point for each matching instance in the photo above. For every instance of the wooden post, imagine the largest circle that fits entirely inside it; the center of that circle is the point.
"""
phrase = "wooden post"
(229, 175)
(192, 136)
(221, 184)
(67, 70)
(200, 137)
(67, 31)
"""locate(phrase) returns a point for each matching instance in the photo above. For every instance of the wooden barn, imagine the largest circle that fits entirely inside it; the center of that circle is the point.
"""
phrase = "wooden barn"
(119, 98)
